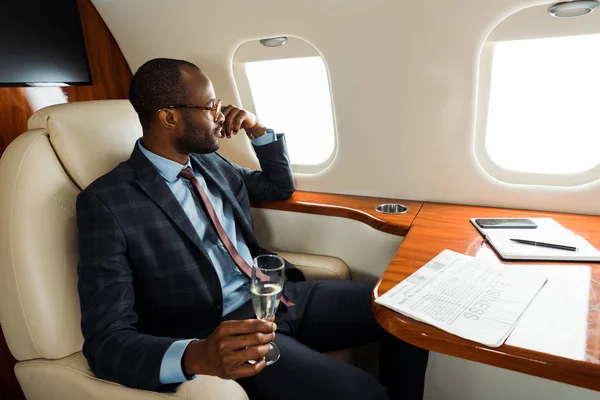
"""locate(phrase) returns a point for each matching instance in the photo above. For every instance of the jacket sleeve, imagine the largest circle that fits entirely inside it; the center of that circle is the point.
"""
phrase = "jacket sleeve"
(115, 350)
(275, 181)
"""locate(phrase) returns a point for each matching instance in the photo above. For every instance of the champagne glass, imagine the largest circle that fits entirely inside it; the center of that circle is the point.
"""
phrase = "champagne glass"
(267, 284)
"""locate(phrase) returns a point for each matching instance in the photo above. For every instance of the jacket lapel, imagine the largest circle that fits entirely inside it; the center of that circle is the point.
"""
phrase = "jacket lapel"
(217, 179)
(155, 187)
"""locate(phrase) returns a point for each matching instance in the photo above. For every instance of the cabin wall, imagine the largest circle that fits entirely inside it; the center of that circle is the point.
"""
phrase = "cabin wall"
(111, 76)
(404, 84)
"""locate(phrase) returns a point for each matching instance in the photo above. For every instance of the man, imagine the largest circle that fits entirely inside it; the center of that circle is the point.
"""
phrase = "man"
(163, 240)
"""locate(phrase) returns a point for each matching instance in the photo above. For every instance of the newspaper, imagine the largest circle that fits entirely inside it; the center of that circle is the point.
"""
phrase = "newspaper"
(475, 299)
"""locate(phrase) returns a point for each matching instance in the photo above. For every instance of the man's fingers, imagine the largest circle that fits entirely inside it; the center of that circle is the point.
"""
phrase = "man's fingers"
(242, 356)
(224, 127)
(227, 112)
(248, 340)
(246, 370)
(242, 327)
(236, 119)
(237, 122)
(230, 121)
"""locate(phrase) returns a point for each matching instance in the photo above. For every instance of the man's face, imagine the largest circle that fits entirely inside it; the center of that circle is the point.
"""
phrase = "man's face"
(200, 133)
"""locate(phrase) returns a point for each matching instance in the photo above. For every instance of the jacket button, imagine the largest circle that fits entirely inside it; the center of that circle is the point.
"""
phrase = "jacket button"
(218, 308)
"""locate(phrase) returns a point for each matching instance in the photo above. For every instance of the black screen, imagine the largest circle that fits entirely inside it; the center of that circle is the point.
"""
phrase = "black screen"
(41, 42)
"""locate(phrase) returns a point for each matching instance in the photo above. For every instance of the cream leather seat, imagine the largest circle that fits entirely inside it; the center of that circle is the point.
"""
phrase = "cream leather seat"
(66, 148)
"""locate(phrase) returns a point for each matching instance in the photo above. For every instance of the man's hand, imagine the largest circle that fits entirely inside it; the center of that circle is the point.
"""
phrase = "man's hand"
(226, 351)
(236, 118)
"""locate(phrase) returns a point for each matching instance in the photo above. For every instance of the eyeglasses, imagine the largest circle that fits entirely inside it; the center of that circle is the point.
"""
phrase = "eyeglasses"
(214, 110)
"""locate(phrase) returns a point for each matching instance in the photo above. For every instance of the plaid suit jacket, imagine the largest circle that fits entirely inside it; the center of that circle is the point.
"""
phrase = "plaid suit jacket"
(145, 280)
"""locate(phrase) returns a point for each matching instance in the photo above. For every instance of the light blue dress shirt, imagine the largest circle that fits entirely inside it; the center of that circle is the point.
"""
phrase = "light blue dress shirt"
(234, 284)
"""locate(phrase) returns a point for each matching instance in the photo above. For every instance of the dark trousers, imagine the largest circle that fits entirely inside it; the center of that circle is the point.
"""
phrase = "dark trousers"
(337, 315)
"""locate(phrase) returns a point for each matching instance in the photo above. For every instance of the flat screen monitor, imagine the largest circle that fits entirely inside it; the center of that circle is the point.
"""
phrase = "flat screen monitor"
(41, 44)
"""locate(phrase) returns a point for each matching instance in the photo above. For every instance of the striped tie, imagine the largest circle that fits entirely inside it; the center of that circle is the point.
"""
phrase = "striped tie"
(187, 173)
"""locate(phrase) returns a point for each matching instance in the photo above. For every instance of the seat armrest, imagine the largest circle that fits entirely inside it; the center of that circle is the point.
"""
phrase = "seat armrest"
(71, 378)
(318, 267)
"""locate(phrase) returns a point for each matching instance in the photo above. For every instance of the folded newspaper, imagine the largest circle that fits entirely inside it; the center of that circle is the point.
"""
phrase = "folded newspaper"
(475, 299)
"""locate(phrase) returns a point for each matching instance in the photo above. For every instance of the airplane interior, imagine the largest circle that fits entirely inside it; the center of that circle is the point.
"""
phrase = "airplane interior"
(403, 120)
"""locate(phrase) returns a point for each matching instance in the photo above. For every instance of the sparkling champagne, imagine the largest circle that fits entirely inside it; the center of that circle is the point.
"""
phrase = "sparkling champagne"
(265, 298)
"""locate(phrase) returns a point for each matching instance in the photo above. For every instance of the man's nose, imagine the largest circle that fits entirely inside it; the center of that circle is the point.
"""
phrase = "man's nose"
(220, 118)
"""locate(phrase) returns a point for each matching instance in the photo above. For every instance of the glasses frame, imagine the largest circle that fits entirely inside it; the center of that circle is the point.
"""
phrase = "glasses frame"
(214, 110)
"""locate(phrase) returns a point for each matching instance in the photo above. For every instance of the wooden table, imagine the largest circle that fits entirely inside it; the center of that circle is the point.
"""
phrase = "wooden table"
(558, 345)
(573, 354)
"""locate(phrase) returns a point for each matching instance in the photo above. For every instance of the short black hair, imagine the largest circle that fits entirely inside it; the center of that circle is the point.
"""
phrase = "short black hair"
(155, 85)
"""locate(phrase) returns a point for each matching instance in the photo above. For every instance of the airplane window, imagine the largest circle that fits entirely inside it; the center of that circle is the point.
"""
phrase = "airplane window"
(285, 81)
(544, 97)
(292, 96)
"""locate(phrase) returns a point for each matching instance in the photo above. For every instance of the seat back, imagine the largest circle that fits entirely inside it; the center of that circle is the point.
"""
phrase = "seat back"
(66, 148)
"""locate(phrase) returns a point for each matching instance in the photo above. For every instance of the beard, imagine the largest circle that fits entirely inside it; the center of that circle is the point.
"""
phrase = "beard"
(197, 139)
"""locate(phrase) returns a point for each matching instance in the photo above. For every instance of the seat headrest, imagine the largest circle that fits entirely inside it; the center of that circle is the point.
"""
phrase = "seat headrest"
(90, 137)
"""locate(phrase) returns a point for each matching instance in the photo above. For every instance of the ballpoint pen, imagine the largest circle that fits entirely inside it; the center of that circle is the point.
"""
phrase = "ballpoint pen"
(542, 244)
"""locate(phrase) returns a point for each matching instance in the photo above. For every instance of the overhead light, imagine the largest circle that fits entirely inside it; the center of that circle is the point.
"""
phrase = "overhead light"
(572, 9)
(273, 42)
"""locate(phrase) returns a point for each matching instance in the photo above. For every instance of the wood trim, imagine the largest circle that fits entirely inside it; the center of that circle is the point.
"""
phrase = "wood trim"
(445, 226)
(358, 208)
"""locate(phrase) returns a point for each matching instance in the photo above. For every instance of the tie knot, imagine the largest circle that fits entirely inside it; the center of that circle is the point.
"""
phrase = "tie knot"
(187, 173)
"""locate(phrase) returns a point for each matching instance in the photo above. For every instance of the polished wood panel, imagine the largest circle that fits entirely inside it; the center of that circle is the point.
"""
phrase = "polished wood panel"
(359, 208)
(443, 226)
(110, 73)
(111, 77)
(15, 111)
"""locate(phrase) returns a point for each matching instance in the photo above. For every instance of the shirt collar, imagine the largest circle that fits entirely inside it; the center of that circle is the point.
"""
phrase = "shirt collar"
(168, 169)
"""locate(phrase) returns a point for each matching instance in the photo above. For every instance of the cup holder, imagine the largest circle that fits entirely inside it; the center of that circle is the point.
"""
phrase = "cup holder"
(391, 208)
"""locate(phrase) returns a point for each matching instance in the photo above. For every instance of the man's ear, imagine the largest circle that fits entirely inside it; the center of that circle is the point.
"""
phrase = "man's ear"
(168, 118)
